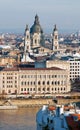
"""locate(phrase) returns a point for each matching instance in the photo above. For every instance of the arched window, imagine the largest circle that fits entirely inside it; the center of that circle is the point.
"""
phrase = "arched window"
(27, 36)
(9, 91)
(21, 89)
(58, 83)
(39, 83)
(52, 82)
(52, 89)
(25, 83)
(30, 89)
(34, 89)
(58, 89)
(28, 83)
(39, 89)
(61, 82)
(55, 82)
(43, 89)
(35, 41)
(47, 82)
(43, 82)
(22, 83)
(31, 83)
(48, 89)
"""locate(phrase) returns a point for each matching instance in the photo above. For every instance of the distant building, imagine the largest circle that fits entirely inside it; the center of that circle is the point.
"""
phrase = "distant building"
(8, 60)
(55, 43)
(34, 80)
(70, 63)
(34, 40)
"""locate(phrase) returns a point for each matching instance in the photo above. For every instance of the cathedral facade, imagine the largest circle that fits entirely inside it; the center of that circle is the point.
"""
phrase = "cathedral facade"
(34, 37)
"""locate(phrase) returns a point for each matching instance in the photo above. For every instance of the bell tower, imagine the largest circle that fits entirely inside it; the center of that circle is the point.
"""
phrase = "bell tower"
(55, 44)
(27, 43)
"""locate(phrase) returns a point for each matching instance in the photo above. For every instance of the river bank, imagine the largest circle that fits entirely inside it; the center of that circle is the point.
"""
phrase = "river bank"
(38, 102)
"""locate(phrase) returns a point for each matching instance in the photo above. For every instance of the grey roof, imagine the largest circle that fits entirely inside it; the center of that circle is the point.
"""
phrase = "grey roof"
(36, 27)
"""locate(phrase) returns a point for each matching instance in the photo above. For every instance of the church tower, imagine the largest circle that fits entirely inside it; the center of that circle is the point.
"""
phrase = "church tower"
(27, 44)
(55, 44)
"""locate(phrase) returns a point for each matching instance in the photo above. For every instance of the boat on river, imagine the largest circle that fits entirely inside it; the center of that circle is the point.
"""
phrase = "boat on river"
(59, 117)
(8, 105)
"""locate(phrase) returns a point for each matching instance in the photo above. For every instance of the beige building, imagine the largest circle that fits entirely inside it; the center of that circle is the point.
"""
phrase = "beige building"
(9, 81)
(72, 66)
(58, 63)
(34, 80)
(7, 60)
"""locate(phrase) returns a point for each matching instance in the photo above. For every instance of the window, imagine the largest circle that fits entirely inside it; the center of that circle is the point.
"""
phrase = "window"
(38, 82)
(3, 86)
(52, 89)
(58, 89)
(9, 91)
(22, 76)
(39, 89)
(30, 89)
(43, 82)
(43, 89)
(34, 89)
(34, 82)
(15, 81)
(55, 76)
(35, 41)
(22, 83)
(21, 89)
(28, 83)
(48, 89)
(24, 89)
(52, 76)
(58, 83)
(55, 82)
(27, 36)
(3, 81)
(47, 82)
(52, 82)
(15, 77)
(55, 36)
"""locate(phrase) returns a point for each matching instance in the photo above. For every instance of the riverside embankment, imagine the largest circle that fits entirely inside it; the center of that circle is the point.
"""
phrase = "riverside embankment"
(38, 102)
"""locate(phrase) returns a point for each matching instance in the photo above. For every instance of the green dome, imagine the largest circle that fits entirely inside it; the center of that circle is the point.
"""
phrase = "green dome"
(36, 28)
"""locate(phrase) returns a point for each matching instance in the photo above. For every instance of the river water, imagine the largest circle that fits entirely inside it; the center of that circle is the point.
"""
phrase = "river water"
(21, 119)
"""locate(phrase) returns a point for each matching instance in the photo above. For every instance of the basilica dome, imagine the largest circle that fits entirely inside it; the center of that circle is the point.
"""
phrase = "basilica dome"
(36, 28)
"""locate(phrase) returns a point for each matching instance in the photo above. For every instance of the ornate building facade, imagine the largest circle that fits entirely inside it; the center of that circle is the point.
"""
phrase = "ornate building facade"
(34, 80)
(34, 38)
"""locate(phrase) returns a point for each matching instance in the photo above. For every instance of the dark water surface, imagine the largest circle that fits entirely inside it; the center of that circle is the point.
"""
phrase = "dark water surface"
(21, 119)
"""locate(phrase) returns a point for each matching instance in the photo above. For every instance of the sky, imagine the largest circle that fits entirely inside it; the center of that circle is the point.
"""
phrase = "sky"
(15, 14)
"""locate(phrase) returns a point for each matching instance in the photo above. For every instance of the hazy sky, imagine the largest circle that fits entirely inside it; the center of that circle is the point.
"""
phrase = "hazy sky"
(15, 14)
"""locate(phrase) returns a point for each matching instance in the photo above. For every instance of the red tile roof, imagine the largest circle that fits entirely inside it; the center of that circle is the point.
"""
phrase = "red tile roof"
(17, 69)
(73, 125)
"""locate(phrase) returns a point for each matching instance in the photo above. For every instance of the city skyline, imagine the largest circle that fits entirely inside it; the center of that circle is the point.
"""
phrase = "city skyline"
(16, 14)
